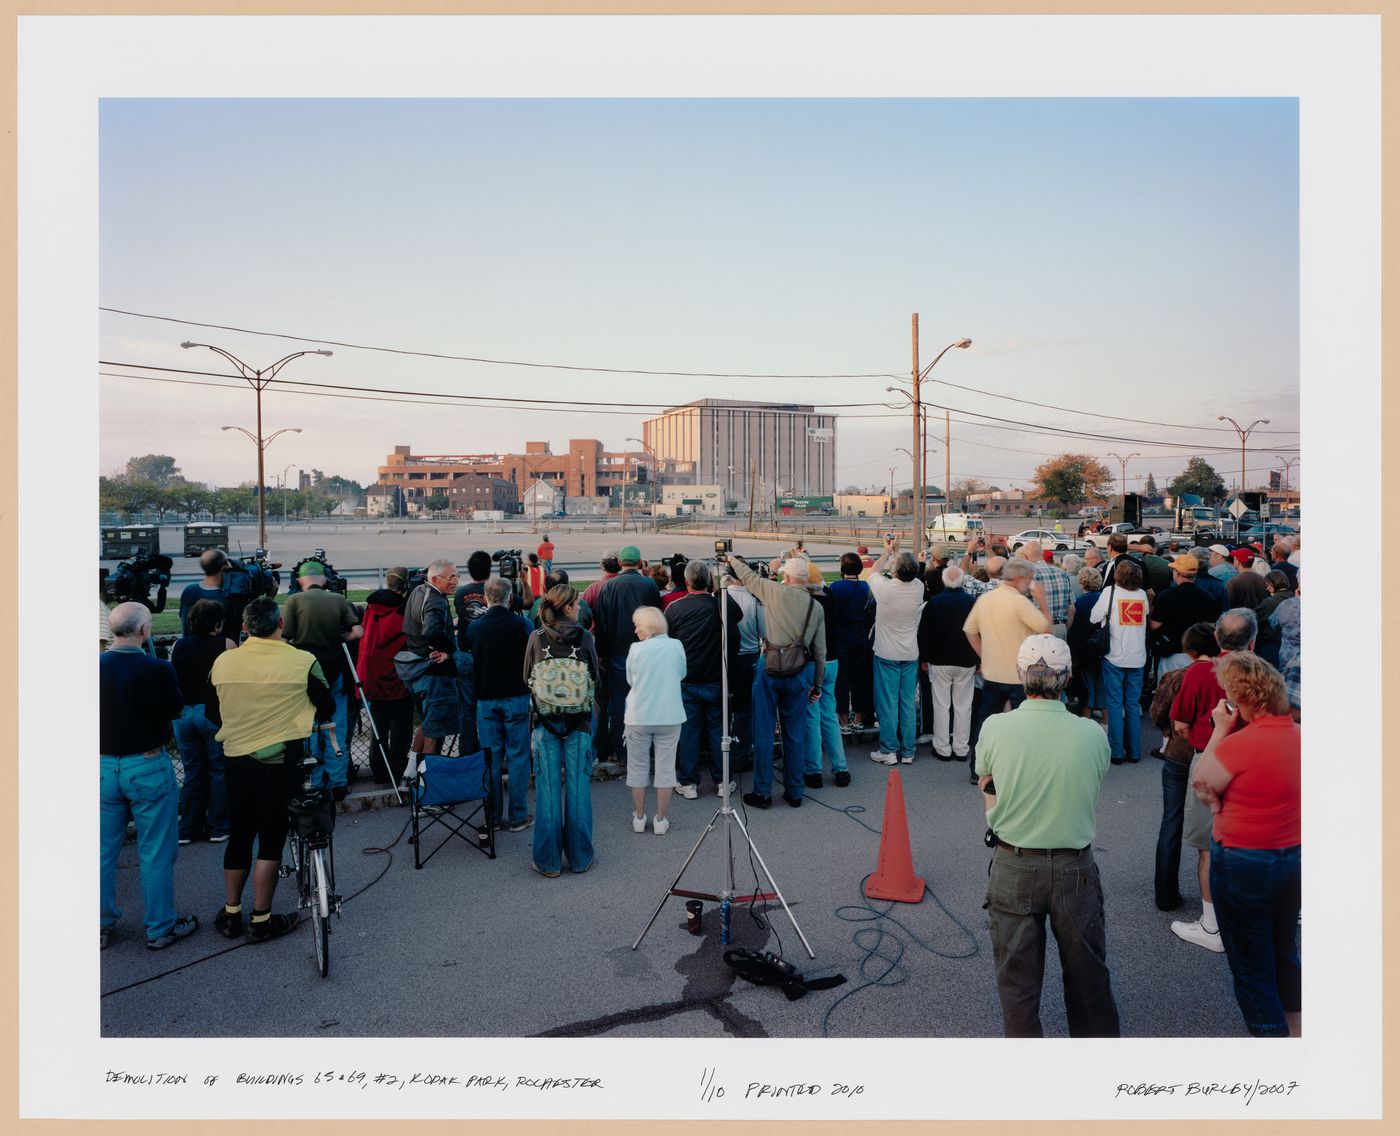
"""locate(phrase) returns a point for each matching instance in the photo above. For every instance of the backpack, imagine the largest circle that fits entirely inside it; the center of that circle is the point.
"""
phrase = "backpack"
(561, 684)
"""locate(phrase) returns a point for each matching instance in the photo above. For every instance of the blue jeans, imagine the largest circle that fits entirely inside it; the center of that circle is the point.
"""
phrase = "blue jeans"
(203, 798)
(823, 730)
(563, 827)
(142, 789)
(466, 704)
(784, 698)
(1093, 687)
(1122, 694)
(1166, 877)
(335, 770)
(618, 689)
(702, 714)
(896, 697)
(503, 725)
(1257, 896)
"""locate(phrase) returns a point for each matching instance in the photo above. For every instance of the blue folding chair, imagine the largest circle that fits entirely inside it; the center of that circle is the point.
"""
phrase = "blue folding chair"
(443, 785)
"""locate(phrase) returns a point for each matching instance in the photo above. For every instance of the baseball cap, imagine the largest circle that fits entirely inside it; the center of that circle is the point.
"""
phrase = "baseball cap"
(629, 554)
(1244, 555)
(861, 549)
(1219, 550)
(1048, 556)
(1186, 565)
(311, 568)
(1044, 649)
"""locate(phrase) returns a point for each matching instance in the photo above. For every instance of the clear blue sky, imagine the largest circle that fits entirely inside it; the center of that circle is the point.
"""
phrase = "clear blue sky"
(1128, 257)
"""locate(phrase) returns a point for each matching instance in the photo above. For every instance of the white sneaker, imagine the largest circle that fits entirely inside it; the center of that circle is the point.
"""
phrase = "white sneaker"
(660, 825)
(923, 739)
(883, 758)
(1195, 933)
(689, 792)
(639, 823)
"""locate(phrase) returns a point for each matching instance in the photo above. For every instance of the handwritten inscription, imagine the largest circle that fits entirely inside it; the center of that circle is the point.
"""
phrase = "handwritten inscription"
(1247, 1090)
(760, 1090)
(363, 1079)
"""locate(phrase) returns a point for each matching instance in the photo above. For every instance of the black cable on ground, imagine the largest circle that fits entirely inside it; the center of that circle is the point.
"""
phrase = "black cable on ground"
(237, 946)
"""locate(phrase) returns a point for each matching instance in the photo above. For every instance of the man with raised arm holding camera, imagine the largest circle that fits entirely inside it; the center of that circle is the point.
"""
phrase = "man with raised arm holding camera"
(795, 628)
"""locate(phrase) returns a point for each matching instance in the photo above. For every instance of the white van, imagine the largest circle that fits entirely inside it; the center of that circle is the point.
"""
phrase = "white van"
(957, 527)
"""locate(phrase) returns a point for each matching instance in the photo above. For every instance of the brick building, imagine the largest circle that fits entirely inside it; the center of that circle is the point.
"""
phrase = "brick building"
(584, 470)
(468, 492)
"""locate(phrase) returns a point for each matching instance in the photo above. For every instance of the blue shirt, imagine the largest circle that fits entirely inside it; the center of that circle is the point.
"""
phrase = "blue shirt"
(655, 668)
(137, 696)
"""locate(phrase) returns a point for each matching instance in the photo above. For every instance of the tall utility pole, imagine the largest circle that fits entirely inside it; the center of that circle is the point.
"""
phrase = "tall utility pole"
(947, 463)
(917, 457)
(1244, 432)
(1123, 474)
(753, 483)
(1288, 464)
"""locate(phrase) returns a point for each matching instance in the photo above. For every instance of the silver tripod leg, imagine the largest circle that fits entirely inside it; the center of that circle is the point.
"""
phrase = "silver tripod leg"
(667, 893)
(774, 884)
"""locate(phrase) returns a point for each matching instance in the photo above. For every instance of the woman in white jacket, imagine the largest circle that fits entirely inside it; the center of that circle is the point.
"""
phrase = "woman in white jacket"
(1124, 606)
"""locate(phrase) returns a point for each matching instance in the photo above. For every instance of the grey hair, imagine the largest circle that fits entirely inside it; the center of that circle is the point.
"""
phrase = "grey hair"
(129, 618)
(437, 567)
(1071, 564)
(1043, 681)
(650, 620)
(1017, 570)
(497, 591)
(795, 568)
(1201, 554)
(1236, 629)
(262, 617)
(906, 568)
(697, 575)
(952, 576)
(1093, 551)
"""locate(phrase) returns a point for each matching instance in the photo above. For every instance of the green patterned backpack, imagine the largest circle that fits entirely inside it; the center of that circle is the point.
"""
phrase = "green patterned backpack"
(561, 685)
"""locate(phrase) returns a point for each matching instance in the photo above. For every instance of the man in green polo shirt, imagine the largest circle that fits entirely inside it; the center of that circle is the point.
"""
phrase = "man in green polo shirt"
(1041, 768)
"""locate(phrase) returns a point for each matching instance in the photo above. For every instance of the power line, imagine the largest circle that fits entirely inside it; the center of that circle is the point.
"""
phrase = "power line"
(495, 362)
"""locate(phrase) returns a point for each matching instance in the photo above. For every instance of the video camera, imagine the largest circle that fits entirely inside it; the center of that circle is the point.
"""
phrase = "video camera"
(724, 549)
(246, 579)
(335, 582)
(132, 580)
(509, 561)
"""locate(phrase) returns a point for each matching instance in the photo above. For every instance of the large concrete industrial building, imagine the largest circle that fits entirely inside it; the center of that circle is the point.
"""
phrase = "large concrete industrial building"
(788, 449)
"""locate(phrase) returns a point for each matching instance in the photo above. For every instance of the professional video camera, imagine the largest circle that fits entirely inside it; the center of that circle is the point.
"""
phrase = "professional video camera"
(335, 582)
(724, 549)
(509, 560)
(416, 576)
(132, 580)
(247, 578)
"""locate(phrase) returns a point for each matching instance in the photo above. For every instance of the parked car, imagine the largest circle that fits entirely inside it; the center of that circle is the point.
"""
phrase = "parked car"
(1055, 541)
(1100, 539)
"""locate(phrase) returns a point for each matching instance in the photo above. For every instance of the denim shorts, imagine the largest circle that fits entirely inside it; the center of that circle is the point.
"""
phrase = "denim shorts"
(436, 697)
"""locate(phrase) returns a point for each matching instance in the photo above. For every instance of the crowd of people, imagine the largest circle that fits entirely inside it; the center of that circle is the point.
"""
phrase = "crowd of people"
(1001, 661)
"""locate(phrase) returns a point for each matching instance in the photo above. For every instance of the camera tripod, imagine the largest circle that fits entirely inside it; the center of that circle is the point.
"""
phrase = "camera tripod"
(726, 897)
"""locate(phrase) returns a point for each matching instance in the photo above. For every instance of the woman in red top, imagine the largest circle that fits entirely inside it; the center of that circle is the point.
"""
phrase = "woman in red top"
(1251, 780)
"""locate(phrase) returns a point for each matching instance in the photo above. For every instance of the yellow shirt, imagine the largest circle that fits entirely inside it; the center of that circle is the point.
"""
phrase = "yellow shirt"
(1004, 618)
(262, 695)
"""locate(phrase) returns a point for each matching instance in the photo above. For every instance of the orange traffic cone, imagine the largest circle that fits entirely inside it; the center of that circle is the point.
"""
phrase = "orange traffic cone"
(894, 876)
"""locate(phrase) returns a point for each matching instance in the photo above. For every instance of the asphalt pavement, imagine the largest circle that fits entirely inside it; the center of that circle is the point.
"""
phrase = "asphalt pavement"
(473, 947)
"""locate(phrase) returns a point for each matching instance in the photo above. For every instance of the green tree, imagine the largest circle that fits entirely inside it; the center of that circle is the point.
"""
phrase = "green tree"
(1069, 478)
(160, 469)
(127, 495)
(237, 500)
(190, 498)
(437, 503)
(1200, 478)
(1150, 488)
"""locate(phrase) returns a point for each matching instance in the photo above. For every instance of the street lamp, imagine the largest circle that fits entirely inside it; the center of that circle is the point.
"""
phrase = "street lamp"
(258, 379)
(921, 428)
(262, 449)
(284, 492)
(655, 473)
(1244, 432)
(1123, 474)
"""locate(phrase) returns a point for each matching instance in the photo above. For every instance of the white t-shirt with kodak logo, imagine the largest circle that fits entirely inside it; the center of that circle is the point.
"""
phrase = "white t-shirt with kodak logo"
(1127, 628)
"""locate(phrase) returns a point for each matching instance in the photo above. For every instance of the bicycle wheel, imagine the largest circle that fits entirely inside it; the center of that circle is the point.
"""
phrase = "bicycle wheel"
(320, 910)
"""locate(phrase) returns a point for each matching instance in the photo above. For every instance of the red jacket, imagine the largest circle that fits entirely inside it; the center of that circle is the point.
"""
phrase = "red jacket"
(382, 640)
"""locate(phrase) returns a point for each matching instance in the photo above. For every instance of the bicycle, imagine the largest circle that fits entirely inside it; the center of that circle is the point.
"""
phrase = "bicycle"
(311, 850)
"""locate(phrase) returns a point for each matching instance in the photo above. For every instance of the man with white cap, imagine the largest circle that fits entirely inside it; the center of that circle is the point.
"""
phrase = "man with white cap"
(1041, 768)
(1221, 566)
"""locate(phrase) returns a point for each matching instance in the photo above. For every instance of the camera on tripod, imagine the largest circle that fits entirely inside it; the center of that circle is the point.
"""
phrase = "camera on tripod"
(509, 561)
(335, 582)
(132, 580)
(723, 548)
(251, 577)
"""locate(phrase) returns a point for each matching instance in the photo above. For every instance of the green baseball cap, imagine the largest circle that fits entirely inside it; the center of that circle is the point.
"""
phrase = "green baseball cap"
(311, 568)
(631, 554)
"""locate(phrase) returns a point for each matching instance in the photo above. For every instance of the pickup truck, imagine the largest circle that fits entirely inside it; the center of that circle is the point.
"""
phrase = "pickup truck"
(1099, 540)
